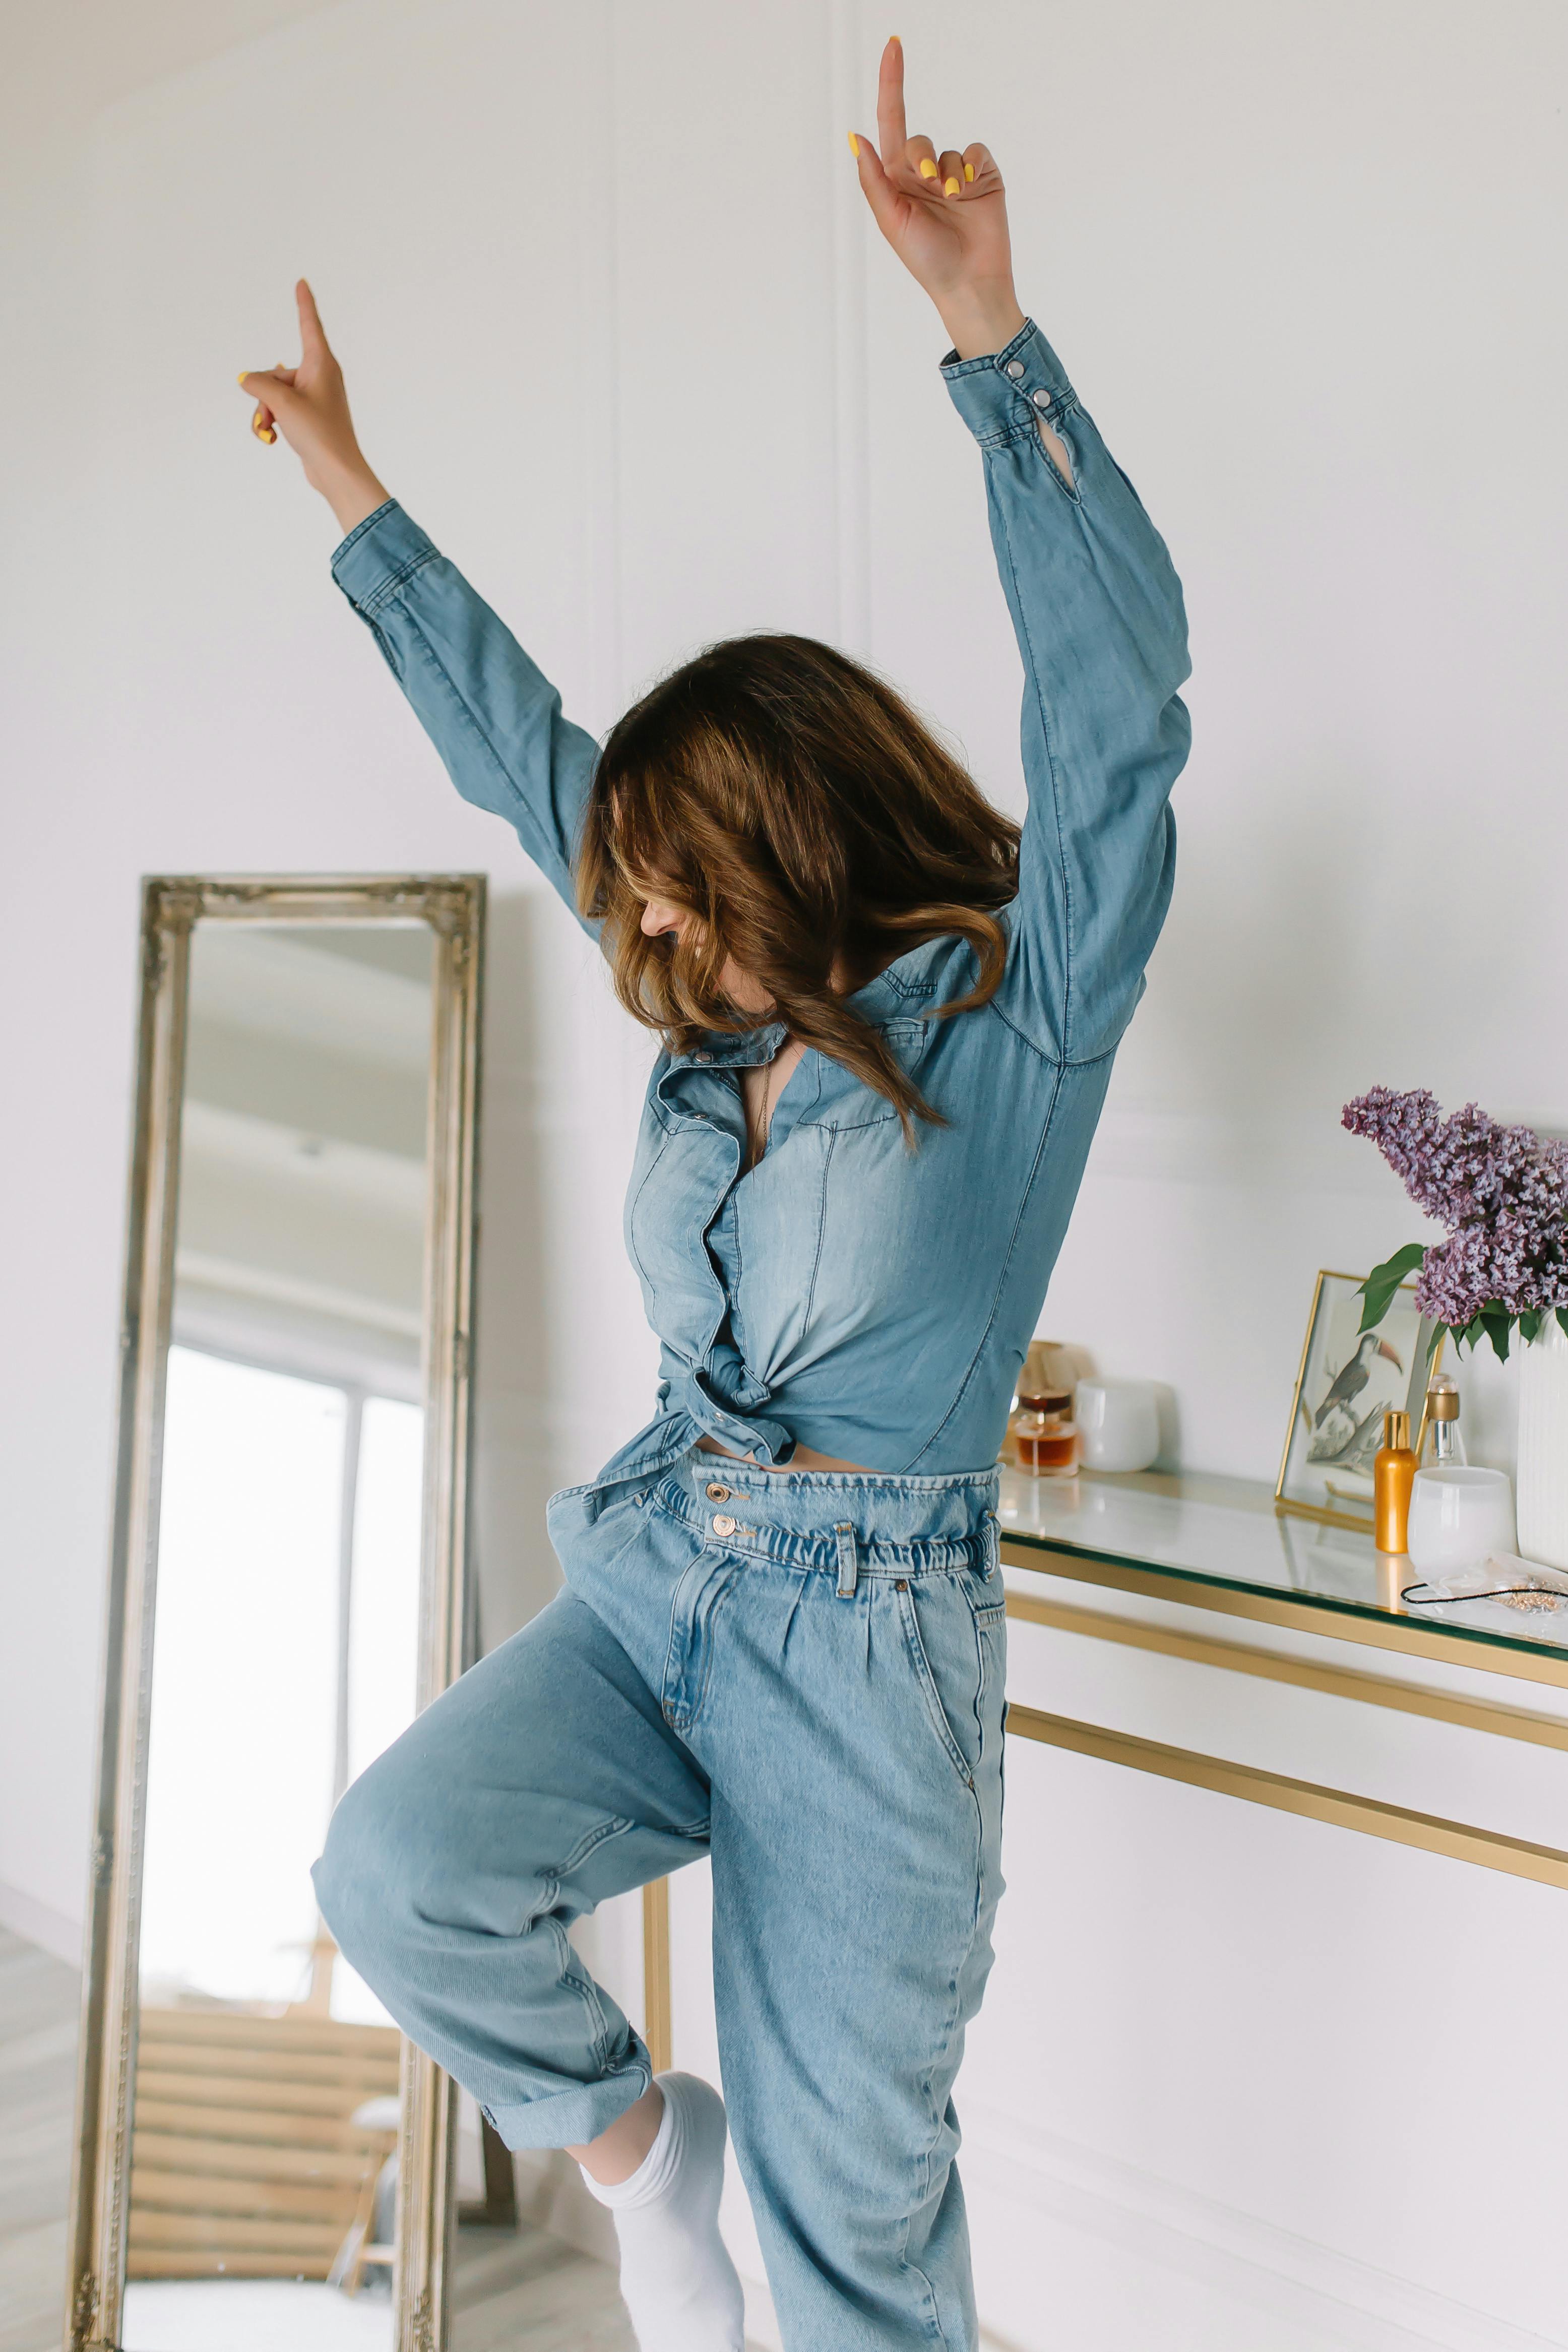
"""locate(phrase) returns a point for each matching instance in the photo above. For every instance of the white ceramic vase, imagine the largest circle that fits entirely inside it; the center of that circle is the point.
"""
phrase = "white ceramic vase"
(1541, 1497)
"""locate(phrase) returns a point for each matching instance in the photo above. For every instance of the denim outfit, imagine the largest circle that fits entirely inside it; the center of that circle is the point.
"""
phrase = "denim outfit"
(798, 1672)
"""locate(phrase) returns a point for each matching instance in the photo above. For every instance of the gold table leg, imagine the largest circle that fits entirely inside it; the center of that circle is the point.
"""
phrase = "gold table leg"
(656, 2033)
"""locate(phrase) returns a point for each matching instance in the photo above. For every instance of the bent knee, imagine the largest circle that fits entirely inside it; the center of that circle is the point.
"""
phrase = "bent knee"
(362, 1879)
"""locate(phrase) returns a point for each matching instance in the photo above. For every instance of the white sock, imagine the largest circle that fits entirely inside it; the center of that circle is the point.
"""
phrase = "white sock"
(677, 2277)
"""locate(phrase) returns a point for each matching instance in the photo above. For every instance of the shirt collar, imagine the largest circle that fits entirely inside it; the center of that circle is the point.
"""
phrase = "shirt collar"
(901, 990)
(723, 1049)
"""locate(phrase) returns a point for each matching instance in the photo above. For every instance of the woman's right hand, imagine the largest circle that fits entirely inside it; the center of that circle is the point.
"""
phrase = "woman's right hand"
(312, 410)
(946, 219)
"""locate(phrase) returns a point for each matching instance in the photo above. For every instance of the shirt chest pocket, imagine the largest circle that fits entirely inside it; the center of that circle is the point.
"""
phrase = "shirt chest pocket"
(847, 1102)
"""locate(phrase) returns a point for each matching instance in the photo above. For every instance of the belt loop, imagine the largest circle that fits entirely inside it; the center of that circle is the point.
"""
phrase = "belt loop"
(993, 1543)
(849, 1565)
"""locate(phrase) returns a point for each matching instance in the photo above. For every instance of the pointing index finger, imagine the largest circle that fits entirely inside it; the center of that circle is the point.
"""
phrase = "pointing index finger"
(892, 135)
(312, 334)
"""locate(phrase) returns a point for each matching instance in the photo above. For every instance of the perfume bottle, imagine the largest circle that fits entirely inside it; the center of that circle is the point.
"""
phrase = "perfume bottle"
(1043, 1433)
(1392, 1474)
(1442, 1447)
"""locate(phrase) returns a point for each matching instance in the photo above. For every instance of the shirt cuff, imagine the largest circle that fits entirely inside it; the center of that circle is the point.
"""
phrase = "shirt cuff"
(1001, 394)
(378, 554)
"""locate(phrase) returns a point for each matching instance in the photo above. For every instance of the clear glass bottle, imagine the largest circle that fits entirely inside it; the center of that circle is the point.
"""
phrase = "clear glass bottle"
(1442, 1447)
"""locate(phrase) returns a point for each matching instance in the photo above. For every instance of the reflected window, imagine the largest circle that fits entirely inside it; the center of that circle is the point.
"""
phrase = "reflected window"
(286, 1659)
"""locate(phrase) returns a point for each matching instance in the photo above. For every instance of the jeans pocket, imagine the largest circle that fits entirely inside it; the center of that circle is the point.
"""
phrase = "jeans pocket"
(697, 1600)
(990, 1616)
(945, 1656)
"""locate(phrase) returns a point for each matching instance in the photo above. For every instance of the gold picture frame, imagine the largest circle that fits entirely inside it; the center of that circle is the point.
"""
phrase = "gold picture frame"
(1334, 1487)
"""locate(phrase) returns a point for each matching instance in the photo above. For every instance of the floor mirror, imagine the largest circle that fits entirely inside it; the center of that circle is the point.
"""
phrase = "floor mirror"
(260, 2159)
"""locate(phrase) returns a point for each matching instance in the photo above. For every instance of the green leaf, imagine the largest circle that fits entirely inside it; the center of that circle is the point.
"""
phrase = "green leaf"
(1439, 1331)
(1498, 1324)
(1531, 1322)
(1377, 1291)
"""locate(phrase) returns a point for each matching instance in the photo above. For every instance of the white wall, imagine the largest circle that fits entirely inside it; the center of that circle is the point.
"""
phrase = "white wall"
(616, 335)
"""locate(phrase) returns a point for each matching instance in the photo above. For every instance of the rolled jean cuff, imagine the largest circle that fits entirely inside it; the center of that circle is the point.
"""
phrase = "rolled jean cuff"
(570, 2118)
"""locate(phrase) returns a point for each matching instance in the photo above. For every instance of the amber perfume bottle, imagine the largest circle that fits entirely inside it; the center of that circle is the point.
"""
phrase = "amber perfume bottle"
(1042, 1430)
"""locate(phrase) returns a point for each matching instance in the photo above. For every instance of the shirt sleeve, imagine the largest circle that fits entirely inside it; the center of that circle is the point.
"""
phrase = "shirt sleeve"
(1097, 608)
(492, 715)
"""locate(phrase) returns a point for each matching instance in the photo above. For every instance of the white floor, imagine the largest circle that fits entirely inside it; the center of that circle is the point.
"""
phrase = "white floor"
(527, 2291)
(253, 2316)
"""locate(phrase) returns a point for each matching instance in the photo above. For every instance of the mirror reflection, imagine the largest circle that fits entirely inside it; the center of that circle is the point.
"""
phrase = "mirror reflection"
(266, 2110)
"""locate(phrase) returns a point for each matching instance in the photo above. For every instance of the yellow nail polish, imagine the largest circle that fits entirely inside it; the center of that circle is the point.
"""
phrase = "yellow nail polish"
(242, 375)
(949, 187)
(854, 147)
(927, 168)
(265, 432)
(969, 171)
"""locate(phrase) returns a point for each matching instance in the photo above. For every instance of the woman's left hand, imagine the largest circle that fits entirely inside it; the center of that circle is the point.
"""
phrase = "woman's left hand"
(945, 216)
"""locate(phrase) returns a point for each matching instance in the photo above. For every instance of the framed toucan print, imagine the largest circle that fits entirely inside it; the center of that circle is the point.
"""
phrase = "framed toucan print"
(1348, 1380)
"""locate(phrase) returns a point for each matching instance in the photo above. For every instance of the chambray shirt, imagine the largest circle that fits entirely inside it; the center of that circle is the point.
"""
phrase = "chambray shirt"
(848, 1293)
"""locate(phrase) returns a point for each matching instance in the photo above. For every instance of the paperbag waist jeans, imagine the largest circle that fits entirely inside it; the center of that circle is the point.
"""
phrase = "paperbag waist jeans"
(801, 1675)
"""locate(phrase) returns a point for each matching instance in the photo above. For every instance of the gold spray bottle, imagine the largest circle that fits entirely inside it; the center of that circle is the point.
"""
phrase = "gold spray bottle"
(1393, 1472)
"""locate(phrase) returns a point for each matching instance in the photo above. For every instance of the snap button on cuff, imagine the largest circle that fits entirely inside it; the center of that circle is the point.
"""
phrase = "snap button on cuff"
(1041, 399)
(723, 1525)
(1015, 369)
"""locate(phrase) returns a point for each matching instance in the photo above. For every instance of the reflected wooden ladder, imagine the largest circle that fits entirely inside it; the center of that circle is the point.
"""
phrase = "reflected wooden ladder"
(244, 2161)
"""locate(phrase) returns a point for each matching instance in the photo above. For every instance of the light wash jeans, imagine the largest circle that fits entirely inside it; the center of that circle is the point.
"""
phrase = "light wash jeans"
(799, 1673)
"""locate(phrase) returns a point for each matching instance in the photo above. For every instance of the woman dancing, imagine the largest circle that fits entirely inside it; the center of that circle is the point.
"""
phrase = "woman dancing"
(887, 1021)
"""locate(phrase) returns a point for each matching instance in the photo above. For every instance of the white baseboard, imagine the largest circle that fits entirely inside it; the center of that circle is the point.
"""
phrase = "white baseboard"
(1308, 2290)
(39, 1923)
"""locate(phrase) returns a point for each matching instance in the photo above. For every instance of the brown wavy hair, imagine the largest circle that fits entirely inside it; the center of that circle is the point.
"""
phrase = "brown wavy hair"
(796, 805)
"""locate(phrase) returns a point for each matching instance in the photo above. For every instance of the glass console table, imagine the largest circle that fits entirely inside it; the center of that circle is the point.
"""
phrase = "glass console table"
(1217, 1545)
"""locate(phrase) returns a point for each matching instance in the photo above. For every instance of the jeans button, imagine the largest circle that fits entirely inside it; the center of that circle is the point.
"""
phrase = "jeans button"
(723, 1525)
(717, 1494)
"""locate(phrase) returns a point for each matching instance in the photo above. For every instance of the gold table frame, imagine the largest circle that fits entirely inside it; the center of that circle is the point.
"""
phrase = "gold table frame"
(1327, 1618)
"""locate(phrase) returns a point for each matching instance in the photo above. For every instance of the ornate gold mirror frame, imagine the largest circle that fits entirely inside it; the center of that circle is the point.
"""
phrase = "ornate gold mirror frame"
(453, 908)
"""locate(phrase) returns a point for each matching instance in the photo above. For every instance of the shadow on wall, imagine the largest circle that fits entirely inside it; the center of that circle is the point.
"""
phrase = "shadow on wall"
(566, 1366)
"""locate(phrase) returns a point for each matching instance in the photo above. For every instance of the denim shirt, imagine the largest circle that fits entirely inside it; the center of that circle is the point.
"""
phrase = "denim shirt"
(850, 1293)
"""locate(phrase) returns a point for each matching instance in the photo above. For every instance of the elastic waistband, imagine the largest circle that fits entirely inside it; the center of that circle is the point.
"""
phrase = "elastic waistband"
(814, 1519)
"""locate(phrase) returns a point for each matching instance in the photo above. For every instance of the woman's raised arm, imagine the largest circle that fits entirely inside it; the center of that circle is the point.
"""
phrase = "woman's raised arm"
(1095, 603)
(491, 714)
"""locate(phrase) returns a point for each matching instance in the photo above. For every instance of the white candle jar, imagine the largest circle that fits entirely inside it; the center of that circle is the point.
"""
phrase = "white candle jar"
(1457, 1518)
(1118, 1423)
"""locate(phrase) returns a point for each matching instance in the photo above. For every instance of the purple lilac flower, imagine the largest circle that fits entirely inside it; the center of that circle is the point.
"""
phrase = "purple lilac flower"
(1501, 1191)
